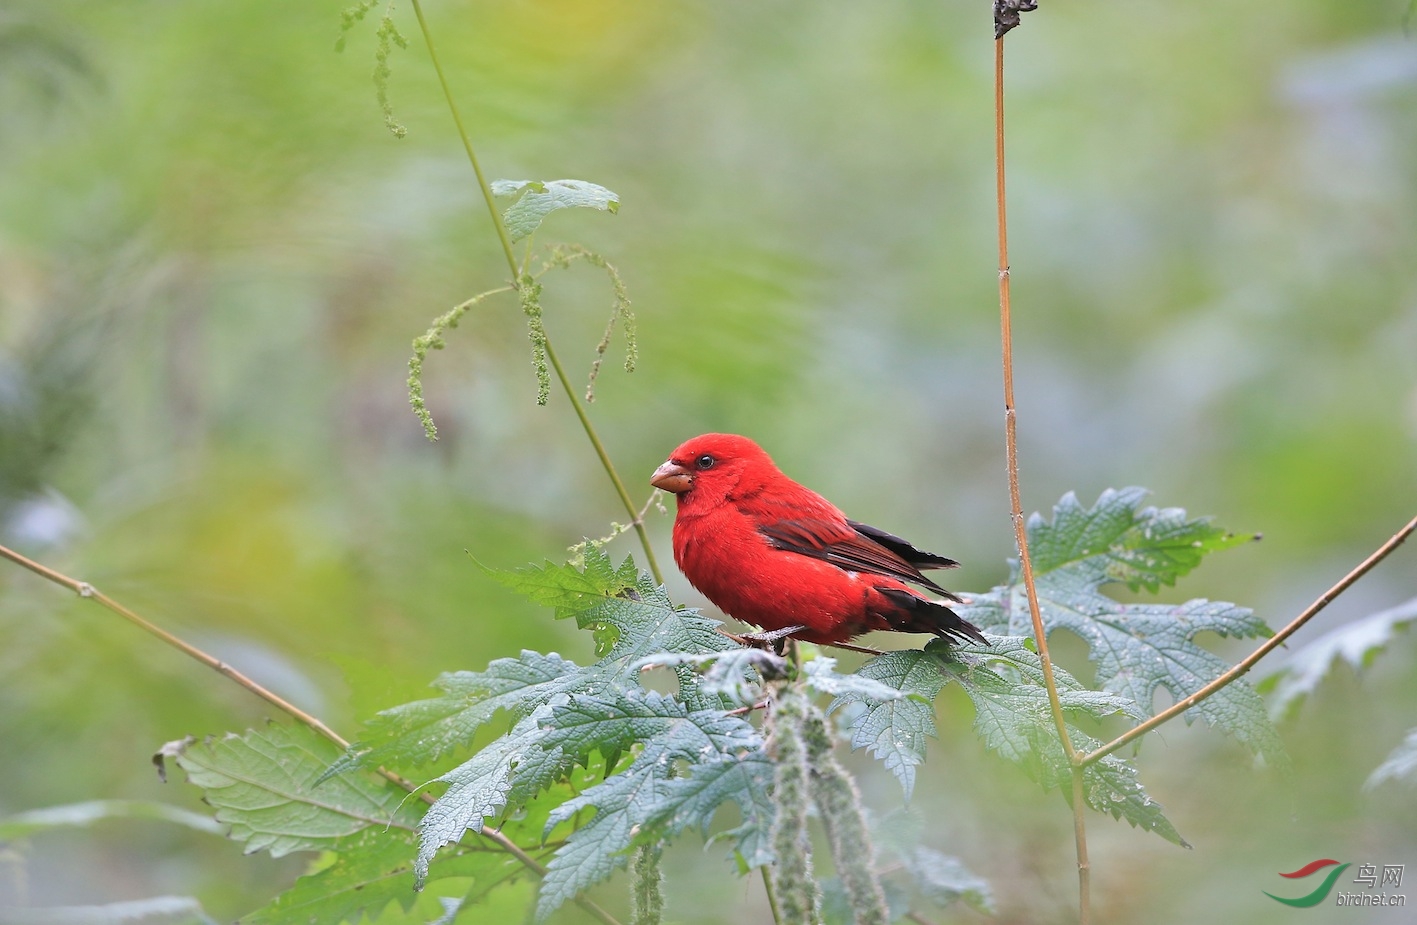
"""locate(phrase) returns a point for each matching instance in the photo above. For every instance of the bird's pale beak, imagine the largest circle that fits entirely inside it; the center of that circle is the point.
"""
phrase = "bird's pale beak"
(672, 477)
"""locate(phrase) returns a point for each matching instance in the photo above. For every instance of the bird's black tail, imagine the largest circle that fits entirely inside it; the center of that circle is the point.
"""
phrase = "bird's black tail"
(914, 614)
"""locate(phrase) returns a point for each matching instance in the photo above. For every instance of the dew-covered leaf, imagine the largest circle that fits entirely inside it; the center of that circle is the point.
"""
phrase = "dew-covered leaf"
(415, 734)
(537, 199)
(1136, 647)
(649, 794)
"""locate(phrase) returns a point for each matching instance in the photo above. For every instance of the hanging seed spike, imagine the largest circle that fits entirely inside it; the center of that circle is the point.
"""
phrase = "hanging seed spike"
(432, 339)
(839, 804)
(388, 35)
(536, 331)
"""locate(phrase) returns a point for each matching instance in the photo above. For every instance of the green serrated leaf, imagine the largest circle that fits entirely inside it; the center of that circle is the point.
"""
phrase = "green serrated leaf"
(570, 590)
(1137, 648)
(1141, 547)
(369, 876)
(641, 795)
(895, 730)
(820, 675)
(537, 199)
(418, 733)
(693, 800)
(480, 787)
(1356, 643)
(1110, 785)
(263, 786)
(517, 766)
(375, 869)
(735, 675)
(647, 622)
(1013, 717)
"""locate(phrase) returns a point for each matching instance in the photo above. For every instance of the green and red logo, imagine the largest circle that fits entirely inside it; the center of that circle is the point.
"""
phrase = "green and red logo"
(1319, 894)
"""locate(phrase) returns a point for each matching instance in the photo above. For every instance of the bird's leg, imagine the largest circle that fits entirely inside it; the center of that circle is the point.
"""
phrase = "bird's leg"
(763, 640)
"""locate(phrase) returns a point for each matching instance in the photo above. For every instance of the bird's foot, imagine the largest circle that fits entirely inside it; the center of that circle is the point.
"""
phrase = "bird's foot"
(774, 638)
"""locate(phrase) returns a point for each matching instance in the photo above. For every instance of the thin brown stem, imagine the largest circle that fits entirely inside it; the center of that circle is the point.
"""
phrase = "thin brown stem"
(1080, 845)
(1269, 645)
(1015, 497)
(88, 591)
(744, 711)
(85, 590)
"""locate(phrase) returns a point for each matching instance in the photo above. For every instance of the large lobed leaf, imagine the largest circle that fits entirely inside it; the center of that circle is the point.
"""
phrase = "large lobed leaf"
(1013, 716)
(1141, 547)
(1004, 681)
(648, 799)
(1137, 648)
(568, 589)
(263, 785)
(414, 734)
(637, 620)
(374, 873)
(895, 729)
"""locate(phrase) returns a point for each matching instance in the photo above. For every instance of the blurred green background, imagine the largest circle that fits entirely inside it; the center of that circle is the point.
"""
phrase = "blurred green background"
(213, 257)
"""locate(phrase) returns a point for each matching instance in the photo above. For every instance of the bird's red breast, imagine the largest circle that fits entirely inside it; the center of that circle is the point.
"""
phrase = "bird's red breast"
(772, 552)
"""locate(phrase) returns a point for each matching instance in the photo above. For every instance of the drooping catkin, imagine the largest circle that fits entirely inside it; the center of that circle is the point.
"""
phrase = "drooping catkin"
(560, 257)
(432, 339)
(530, 292)
(793, 883)
(387, 37)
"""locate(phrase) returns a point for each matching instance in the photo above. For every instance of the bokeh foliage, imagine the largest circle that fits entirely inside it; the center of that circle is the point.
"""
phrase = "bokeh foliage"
(213, 256)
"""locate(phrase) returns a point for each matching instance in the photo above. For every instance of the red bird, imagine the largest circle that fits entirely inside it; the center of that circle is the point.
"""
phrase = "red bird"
(776, 554)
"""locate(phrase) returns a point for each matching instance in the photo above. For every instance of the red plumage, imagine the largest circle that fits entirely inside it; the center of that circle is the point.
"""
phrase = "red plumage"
(774, 553)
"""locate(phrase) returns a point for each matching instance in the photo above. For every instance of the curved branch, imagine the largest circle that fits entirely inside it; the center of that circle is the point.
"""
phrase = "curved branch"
(1269, 645)
(88, 591)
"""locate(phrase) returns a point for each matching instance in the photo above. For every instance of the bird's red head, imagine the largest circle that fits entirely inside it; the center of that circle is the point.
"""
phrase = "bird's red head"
(711, 467)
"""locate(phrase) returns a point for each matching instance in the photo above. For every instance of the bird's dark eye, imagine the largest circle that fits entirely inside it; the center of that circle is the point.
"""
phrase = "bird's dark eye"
(704, 462)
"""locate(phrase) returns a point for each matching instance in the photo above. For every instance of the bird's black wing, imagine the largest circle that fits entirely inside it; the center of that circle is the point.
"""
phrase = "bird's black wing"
(857, 547)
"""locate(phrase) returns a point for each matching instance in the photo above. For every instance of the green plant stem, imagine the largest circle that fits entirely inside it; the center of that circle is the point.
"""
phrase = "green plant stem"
(1016, 501)
(506, 241)
(1269, 645)
(89, 592)
(594, 438)
(482, 183)
(772, 897)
